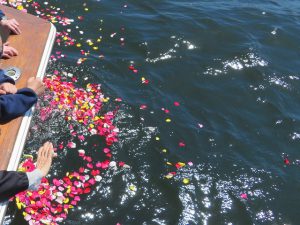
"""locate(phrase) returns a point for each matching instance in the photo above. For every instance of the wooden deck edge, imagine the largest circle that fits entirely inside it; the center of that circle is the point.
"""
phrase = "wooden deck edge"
(24, 128)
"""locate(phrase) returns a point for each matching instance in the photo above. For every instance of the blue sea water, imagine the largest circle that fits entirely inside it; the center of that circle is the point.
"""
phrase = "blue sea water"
(234, 68)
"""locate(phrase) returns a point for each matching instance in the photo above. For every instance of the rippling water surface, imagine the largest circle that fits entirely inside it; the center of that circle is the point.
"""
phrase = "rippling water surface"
(234, 68)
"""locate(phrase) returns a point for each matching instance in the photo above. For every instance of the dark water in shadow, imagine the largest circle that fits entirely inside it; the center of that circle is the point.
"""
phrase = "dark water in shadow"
(234, 68)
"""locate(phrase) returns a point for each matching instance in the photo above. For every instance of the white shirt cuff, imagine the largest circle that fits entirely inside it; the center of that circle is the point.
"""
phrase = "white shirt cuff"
(34, 178)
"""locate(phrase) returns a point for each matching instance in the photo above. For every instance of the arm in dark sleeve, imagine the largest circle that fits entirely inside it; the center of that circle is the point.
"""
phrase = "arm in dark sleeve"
(12, 183)
(15, 105)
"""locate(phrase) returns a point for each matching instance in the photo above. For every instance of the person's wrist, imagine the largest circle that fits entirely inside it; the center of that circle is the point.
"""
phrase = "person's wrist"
(34, 179)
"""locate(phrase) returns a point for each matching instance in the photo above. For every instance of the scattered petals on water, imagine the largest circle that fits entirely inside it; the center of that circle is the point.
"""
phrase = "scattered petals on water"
(190, 163)
(286, 161)
(51, 202)
(170, 175)
(144, 80)
(71, 145)
(176, 103)
(81, 152)
(181, 144)
(244, 196)
(186, 181)
(132, 188)
(165, 110)
(179, 165)
(143, 106)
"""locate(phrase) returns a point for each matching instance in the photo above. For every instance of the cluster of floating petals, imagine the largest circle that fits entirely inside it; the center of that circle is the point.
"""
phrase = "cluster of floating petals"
(82, 105)
(50, 204)
(52, 201)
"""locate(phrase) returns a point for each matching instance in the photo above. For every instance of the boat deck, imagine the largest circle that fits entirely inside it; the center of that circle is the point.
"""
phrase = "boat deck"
(34, 45)
(30, 45)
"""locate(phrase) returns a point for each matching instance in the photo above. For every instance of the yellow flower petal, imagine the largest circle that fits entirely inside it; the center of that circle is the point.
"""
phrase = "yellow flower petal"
(186, 181)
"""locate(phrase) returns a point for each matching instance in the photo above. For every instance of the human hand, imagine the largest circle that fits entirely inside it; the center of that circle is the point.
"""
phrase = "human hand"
(8, 51)
(7, 88)
(12, 25)
(45, 156)
(37, 85)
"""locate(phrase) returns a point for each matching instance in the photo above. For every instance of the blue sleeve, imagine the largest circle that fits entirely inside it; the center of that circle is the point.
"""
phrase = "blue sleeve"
(5, 79)
(15, 105)
(1, 14)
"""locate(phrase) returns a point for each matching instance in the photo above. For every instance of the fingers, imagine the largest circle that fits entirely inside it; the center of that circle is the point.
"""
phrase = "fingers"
(45, 156)
(13, 25)
(43, 151)
(16, 22)
(9, 51)
(6, 56)
(14, 29)
(12, 51)
(11, 89)
(48, 150)
(8, 88)
(37, 85)
(13, 21)
(14, 90)
(2, 92)
(40, 152)
(41, 90)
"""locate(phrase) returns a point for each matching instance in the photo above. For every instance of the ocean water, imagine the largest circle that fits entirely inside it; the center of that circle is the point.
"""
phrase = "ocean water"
(233, 67)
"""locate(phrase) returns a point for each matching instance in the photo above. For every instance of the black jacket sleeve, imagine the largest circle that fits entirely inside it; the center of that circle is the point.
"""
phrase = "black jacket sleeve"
(15, 105)
(12, 183)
